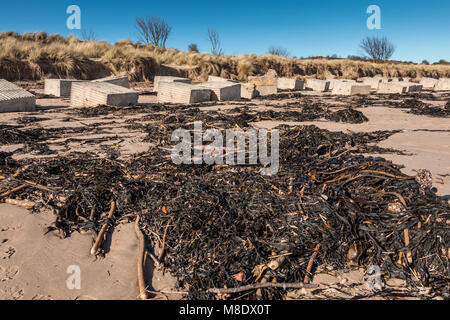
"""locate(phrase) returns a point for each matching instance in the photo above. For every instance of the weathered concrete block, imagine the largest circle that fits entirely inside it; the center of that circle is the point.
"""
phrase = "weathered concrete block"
(262, 81)
(59, 87)
(290, 84)
(333, 81)
(428, 83)
(91, 94)
(266, 90)
(219, 79)
(318, 85)
(350, 88)
(372, 82)
(15, 99)
(117, 80)
(223, 90)
(160, 79)
(442, 85)
(182, 93)
(413, 87)
(392, 87)
(248, 91)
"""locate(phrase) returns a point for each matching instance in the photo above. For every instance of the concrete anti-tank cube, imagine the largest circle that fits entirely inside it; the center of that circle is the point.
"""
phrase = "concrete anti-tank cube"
(248, 91)
(290, 84)
(15, 99)
(333, 81)
(59, 87)
(121, 81)
(266, 90)
(91, 94)
(428, 83)
(318, 85)
(350, 88)
(160, 79)
(372, 82)
(182, 93)
(392, 88)
(262, 81)
(442, 85)
(220, 79)
(223, 90)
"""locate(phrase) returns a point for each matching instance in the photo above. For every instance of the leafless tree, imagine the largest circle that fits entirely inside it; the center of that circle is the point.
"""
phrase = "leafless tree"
(88, 35)
(379, 49)
(278, 51)
(213, 37)
(153, 30)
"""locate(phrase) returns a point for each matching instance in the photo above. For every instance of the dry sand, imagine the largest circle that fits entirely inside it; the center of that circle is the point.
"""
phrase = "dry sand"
(33, 263)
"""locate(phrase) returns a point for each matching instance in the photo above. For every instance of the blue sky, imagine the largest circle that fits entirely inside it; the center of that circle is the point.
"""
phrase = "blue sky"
(419, 29)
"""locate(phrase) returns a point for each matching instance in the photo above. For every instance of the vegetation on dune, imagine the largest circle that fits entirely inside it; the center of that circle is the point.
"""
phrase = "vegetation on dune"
(34, 56)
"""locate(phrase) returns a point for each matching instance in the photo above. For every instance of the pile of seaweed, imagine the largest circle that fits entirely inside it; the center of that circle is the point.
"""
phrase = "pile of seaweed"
(217, 226)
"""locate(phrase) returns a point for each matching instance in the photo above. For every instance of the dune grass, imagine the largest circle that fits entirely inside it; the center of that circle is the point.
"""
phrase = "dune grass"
(34, 56)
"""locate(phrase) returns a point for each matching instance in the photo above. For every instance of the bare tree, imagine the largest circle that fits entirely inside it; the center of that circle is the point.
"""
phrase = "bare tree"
(213, 37)
(278, 51)
(88, 35)
(379, 49)
(153, 30)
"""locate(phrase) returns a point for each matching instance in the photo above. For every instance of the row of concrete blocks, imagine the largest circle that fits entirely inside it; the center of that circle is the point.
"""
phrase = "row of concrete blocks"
(15, 99)
(351, 87)
(181, 90)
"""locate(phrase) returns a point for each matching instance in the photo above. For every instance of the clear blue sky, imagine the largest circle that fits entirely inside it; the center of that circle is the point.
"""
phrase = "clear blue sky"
(420, 29)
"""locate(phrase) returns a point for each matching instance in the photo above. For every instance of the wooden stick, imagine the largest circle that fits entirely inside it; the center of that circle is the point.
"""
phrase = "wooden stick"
(103, 230)
(163, 245)
(7, 193)
(310, 263)
(297, 285)
(141, 261)
(408, 253)
(20, 203)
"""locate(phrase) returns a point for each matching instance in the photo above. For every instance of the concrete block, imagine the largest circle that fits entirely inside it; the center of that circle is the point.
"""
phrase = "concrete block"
(248, 91)
(117, 80)
(428, 83)
(372, 82)
(333, 81)
(413, 87)
(182, 93)
(392, 87)
(318, 85)
(160, 79)
(91, 94)
(266, 90)
(59, 87)
(262, 81)
(219, 79)
(290, 84)
(222, 90)
(15, 99)
(442, 85)
(350, 88)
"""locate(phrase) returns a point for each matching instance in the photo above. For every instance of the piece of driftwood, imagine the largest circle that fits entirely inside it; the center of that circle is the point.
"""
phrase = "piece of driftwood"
(298, 285)
(101, 235)
(141, 260)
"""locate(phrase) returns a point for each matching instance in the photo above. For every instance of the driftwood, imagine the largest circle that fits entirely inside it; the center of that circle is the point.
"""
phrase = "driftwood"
(8, 193)
(141, 261)
(298, 285)
(21, 203)
(105, 227)
(310, 263)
